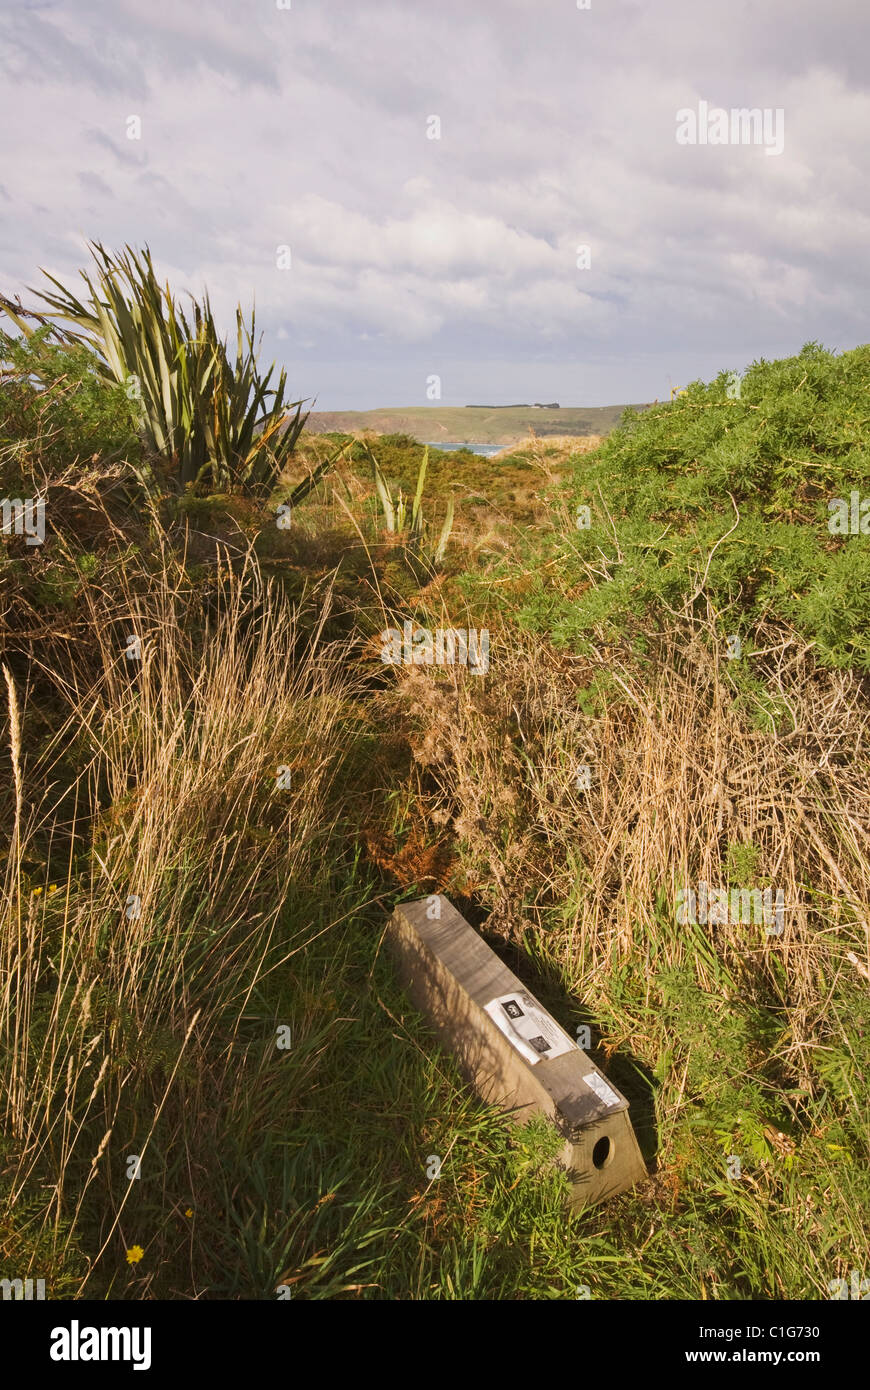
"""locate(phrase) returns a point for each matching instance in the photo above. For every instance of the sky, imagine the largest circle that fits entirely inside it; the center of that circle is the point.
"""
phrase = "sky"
(405, 190)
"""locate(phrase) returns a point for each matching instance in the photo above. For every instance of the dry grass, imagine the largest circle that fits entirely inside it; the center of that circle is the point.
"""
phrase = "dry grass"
(552, 449)
(679, 772)
(123, 985)
(689, 781)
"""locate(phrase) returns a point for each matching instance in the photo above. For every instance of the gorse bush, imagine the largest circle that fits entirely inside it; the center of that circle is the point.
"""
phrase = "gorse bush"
(215, 424)
(706, 444)
(56, 409)
(724, 499)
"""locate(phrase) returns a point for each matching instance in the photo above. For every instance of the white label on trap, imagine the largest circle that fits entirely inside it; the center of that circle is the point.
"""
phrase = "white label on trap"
(601, 1088)
(533, 1033)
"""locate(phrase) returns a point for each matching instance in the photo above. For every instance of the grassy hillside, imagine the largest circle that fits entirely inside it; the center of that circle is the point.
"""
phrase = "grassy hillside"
(470, 424)
(202, 843)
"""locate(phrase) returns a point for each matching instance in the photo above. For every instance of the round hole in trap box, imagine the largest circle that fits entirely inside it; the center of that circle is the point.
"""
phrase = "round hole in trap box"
(602, 1153)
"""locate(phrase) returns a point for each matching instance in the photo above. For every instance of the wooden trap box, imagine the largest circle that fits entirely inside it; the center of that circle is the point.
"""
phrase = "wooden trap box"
(511, 1049)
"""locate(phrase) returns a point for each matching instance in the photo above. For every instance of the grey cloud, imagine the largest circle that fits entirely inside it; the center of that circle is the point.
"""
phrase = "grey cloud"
(92, 183)
(308, 127)
(129, 155)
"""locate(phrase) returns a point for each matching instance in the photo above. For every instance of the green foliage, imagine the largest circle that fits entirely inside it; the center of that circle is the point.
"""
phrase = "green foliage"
(840, 1059)
(57, 408)
(741, 863)
(216, 424)
(397, 518)
(712, 497)
(724, 1043)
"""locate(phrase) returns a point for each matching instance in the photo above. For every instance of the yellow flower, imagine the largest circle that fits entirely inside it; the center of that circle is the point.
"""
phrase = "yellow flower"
(52, 888)
(135, 1255)
(36, 892)
(189, 1212)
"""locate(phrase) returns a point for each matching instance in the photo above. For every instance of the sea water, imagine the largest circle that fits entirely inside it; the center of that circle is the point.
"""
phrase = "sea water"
(486, 449)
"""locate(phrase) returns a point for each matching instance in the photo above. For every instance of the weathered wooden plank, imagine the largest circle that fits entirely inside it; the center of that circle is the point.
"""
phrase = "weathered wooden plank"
(511, 1049)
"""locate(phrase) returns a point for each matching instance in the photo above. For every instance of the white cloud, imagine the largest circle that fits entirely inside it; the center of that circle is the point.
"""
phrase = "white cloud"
(308, 127)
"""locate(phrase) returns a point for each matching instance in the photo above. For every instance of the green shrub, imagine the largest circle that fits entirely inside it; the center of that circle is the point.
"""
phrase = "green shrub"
(724, 499)
(56, 408)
